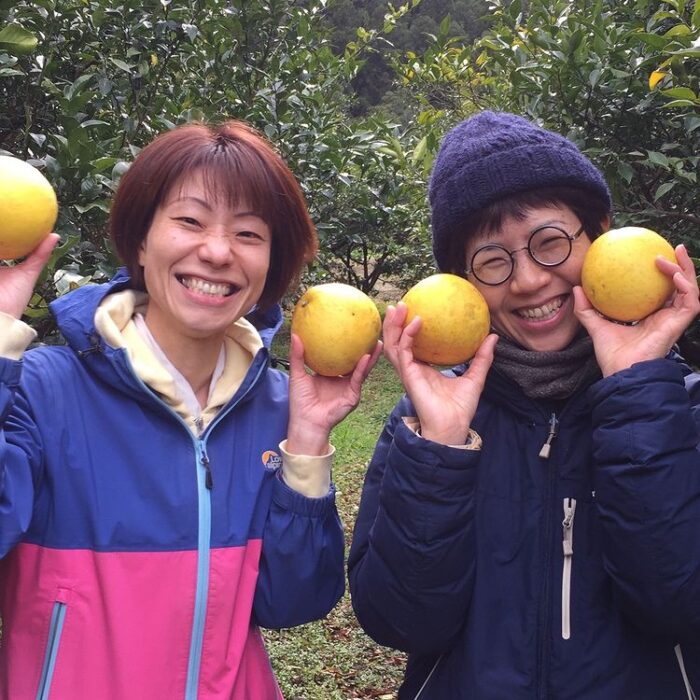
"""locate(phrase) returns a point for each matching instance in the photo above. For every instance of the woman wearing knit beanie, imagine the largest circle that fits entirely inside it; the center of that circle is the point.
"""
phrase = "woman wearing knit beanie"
(530, 523)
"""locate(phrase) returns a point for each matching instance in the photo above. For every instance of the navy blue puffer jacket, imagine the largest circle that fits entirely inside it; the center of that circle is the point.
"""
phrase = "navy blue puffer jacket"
(509, 575)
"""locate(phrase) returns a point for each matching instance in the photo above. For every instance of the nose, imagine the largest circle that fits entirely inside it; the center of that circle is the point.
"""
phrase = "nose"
(528, 276)
(215, 248)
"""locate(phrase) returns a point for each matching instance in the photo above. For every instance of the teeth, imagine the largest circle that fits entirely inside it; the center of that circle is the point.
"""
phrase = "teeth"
(203, 287)
(542, 312)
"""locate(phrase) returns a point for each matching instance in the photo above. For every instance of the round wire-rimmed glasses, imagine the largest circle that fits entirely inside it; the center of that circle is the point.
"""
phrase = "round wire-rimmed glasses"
(548, 246)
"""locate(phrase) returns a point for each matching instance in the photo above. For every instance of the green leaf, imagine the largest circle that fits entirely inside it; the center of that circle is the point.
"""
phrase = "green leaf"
(77, 85)
(692, 122)
(657, 158)
(680, 93)
(93, 122)
(16, 40)
(626, 172)
(678, 30)
(104, 206)
(680, 103)
(663, 189)
(121, 64)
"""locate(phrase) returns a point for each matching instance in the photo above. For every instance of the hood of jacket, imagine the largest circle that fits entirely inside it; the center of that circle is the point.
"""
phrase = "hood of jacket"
(75, 316)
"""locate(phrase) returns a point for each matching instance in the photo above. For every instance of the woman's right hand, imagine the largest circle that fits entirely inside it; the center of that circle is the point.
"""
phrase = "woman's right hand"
(18, 281)
(445, 405)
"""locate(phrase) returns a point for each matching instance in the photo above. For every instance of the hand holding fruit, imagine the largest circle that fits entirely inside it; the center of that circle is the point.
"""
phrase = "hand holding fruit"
(443, 319)
(445, 406)
(641, 278)
(335, 330)
(28, 211)
(17, 282)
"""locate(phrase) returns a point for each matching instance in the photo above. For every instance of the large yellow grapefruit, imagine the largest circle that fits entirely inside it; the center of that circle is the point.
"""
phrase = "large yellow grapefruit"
(338, 324)
(455, 319)
(28, 208)
(620, 276)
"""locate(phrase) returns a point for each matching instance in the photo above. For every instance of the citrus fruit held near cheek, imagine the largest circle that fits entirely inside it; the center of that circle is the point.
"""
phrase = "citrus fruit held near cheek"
(455, 319)
(28, 208)
(338, 324)
(620, 276)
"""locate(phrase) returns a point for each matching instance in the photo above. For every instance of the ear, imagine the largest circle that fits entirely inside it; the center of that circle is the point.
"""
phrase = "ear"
(605, 224)
(142, 251)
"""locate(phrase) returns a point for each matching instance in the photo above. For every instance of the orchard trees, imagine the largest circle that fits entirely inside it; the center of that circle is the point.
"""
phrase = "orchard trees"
(84, 85)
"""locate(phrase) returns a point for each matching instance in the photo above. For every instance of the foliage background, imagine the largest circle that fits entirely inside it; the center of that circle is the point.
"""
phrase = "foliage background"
(356, 95)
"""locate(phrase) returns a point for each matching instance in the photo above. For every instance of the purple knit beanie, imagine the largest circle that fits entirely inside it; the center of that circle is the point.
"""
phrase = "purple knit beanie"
(493, 155)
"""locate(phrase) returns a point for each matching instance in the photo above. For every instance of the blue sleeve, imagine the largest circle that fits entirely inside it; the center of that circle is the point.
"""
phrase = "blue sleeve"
(20, 458)
(647, 485)
(412, 561)
(301, 574)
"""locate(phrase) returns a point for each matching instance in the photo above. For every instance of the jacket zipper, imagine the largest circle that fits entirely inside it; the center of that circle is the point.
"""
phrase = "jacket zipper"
(544, 621)
(204, 486)
(568, 546)
(203, 560)
(58, 616)
(681, 664)
(427, 678)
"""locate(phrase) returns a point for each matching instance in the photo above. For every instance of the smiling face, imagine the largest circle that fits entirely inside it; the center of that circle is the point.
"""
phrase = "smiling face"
(535, 306)
(204, 264)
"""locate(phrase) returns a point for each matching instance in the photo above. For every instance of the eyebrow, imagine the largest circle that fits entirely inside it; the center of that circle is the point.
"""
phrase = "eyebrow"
(191, 198)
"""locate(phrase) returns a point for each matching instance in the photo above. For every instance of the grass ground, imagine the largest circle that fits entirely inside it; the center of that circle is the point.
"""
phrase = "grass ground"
(333, 659)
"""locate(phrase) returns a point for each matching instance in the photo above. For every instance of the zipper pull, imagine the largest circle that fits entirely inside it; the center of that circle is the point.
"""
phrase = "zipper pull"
(547, 447)
(568, 526)
(208, 480)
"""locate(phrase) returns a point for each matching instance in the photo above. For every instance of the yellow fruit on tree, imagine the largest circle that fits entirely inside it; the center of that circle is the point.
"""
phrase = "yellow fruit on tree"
(28, 208)
(620, 276)
(338, 324)
(455, 319)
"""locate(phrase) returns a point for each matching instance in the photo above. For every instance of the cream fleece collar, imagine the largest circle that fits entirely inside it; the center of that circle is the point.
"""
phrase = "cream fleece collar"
(114, 322)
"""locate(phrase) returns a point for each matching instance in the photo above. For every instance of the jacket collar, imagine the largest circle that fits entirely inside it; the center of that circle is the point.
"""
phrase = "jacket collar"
(75, 314)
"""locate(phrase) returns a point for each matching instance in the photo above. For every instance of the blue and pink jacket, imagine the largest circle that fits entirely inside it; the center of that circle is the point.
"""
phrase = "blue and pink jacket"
(138, 558)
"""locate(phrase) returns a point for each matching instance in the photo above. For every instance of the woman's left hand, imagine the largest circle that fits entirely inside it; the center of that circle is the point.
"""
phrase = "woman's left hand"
(318, 403)
(618, 346)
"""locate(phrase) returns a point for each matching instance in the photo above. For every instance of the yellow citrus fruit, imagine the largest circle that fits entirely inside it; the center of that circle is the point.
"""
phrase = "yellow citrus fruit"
(338, 324)
(28, 208)
(455, 319)
(620, 276)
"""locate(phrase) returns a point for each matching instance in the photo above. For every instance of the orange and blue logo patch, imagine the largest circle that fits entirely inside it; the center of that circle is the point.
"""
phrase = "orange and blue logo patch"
(271, 459)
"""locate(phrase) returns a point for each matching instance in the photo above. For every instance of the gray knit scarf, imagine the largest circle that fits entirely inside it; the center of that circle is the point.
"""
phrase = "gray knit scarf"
(548, 375)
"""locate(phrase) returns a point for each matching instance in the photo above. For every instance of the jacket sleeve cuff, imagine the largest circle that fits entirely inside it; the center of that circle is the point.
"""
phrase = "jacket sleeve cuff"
(307, 475)
(15, 336)
(473, 439)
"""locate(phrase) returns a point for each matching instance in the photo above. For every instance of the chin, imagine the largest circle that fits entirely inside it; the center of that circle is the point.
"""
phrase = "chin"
(553, 345)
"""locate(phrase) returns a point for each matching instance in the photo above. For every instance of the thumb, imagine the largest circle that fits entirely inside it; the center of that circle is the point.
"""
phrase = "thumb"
(37, 259)
(583, 309)
(296, 357)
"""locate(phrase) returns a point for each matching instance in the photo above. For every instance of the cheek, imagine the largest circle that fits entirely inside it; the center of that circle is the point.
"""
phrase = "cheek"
(573, 271)
(494, 297)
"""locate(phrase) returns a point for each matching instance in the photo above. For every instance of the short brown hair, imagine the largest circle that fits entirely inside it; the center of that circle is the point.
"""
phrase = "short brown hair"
(591, 211)
(239, 165)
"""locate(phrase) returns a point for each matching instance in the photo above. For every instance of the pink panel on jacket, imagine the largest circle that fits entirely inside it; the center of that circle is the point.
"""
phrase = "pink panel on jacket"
(128, 624)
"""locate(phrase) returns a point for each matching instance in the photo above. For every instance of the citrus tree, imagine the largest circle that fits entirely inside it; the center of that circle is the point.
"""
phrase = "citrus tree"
(84, 85)
(621, 79)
